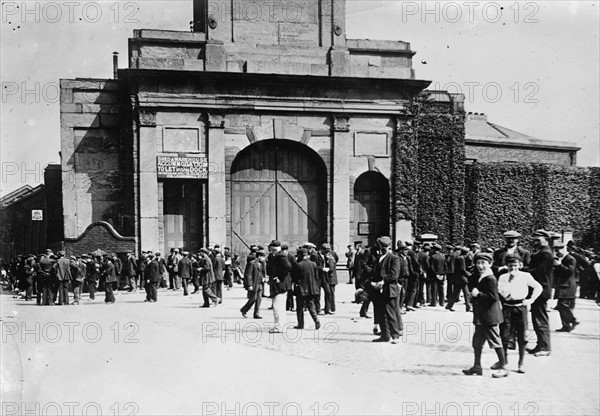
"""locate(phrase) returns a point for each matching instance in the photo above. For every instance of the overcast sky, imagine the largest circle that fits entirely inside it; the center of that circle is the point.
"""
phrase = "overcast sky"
(531, 66)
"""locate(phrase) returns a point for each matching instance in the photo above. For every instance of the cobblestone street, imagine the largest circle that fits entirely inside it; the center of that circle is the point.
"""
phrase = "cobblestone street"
(172, 357)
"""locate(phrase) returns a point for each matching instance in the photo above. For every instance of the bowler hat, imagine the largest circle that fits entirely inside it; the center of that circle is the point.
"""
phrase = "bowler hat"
(275, 243)
(401, 245)
(302, 252)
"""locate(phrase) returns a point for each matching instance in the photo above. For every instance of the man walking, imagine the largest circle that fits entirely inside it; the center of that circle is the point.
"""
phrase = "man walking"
(280, 283)
(207, 278)
(565, 286)
(152, 277)
(110, 277)
(131, 272)
(185, 271)
(254, 278)
(541, 267)
(436, 275)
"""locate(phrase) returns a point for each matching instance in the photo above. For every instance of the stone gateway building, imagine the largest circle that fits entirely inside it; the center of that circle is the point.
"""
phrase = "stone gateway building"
(266, 122)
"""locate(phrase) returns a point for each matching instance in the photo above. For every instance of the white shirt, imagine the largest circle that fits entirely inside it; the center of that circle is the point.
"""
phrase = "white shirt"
(517, 286)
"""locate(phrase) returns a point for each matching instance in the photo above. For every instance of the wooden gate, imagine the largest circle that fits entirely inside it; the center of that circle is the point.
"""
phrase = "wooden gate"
(278, 192)
(183, 215)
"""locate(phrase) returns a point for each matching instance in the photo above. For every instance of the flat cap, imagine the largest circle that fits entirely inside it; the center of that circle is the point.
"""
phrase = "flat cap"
(554, 235)
(384, 241)
(358, 242)
(150, 254)
(61, 253)
(285, 247)
(483, 256)
(275, 243)
(512, 258)
(541, 233)
(260, 253)
(186, 253)
(204, 250)
(326, 247)
(309, 245)
(401, 245)
(302, 252)
(157, 254)
(511, 234)
(476, 245)
(464, 249)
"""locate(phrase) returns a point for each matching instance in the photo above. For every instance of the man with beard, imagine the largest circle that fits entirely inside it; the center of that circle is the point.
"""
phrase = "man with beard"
(254, 277)
(541, 267)
(511, 238)
(566, 286)
(304, 276)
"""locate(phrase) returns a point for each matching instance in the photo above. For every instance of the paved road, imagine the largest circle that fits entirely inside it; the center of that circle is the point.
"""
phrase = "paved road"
(172, 357)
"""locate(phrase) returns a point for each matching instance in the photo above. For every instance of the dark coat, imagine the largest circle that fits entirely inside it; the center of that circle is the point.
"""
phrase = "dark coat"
(207, 276)
(541, 267)
(487, 309)
(363, 265)
(131, 268)
(305, 276)
(185, 268)
(63, 269)
(500, 256)
(218, 267)
(281, 267)
(415, 267)
(109, 272)
(253, 275)
(329, 277)
(152, 272)
(388, 270)
(437, 264)
(564, 278)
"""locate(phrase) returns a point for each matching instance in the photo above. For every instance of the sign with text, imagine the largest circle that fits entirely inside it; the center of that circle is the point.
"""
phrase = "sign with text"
(182, 167)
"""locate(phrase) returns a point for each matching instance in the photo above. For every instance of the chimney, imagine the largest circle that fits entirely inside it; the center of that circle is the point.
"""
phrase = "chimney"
(115, 65)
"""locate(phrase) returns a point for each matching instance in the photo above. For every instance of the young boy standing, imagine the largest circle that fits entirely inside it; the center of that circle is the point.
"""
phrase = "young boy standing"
(513, 288)
(487, 315)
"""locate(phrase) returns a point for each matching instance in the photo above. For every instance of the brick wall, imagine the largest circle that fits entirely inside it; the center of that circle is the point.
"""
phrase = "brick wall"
(99, 235)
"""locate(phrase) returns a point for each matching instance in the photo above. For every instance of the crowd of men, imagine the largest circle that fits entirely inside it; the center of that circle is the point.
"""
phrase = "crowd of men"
(498, 286)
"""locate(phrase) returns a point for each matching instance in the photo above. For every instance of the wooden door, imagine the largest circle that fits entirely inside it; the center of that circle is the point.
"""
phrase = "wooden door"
(183, 217)
(371, 206)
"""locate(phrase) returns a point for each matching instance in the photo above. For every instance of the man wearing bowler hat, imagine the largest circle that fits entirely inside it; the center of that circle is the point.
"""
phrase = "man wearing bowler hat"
(541, 267)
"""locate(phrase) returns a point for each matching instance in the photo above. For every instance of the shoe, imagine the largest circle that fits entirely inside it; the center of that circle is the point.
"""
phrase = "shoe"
(542, 353)
(365, 316)
(74, 303)
(532, 350)
(243, 313)
(329, 313)
(469, 310)
(410, 308)
(217, 302)
(275, 331)
(376, 331)
(394, 341)
(381, 340)
(473, 371)
(564, 329)
(521, 369)
(574, 324)
(270, 308)
(298, 327)
(501, 373)
(496, 366)
(205, 306)
(257, 317)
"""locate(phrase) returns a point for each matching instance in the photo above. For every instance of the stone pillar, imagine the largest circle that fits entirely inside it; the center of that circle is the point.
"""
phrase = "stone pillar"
(217, 203)
(342, 145)
(148, 182)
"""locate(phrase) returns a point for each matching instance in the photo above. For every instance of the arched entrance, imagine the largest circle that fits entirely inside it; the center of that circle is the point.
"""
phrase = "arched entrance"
(278, 191)
(371, 206)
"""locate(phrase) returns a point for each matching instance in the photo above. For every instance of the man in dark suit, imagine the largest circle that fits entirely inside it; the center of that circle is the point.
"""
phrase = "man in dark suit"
(185, 271)
(207, 278)
(404, 273)
(110, 277)
(131, 271)
(565, 286)
(385, 284)
(422, 291)
(305, 278)
(511, 238)
(413, 277)
(487, 316)
(254, 277)
(436, 275)
(152, 277)
(460, 278)
(63, 275)
(326, 265)
(219, 269)
(362, 269)
(281, 282)
(541, 267)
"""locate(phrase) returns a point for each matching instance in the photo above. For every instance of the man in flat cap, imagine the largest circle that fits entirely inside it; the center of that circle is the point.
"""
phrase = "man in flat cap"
(62, 269)
(487, 316)
(254, 278)
(541, 267)
(511, 239)
(280, 282)
(219, 270)
(386, 292)
(152, 277)
(44, 271)
(131, 272)
(328, 277)
(207, 278)
(110, 277)
(565, 286)
(185, 271)
(436, 275)
(460, 279)
(307, 288)
(350, 255)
